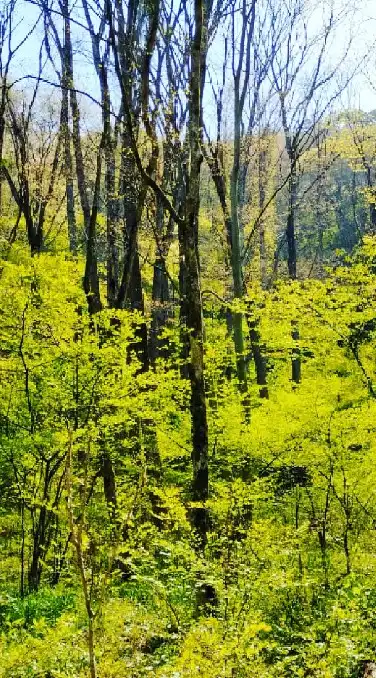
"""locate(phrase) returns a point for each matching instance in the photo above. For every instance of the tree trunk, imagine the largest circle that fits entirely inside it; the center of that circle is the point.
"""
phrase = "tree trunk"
(193, 301)
(236, 263)
(112, 221)
(76, 127)
(161, 302)
(372, 205)
(160, 309)
(91, 279)
(35, 570)
(258, 357)
(290, 228)
(130, 294)
(233, 236)
(3, 99)
(41, 536)
(296, 368)
(64, 125)
(263, 155)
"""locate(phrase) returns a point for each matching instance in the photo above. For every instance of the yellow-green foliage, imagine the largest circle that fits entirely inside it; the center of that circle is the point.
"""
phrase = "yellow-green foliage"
(291, 551)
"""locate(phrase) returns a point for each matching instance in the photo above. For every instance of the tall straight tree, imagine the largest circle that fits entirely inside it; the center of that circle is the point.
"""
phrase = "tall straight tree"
(248, 76)
(173, 162)
(190, 253)
(188, 228)
(89, 207)
(64, 47)
(32, 182)
(306, 85)
(100, 53)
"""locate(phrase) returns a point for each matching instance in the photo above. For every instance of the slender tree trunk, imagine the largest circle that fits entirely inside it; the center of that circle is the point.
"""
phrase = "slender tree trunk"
(236, 328)
(320, 211)
(91, 279)
(76, 124)
(130, 294)
(80, 171)
(372, 210)
(33, 228)
(372, 204)
(69, 186)
(193, 301)
(160, 308)
(290, 228)
(236, 261)
(161, 302)
(263, 157)
(296, 368)
(3, 98)
(41, 539)
(22, 550)
(76, 538)
(109, 145)
(183, 309)
(258, 356)
(112, 222)
(35, 571)
(64, 124)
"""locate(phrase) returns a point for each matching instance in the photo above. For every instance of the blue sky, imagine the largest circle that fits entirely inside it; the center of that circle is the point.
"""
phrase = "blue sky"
(361, 24)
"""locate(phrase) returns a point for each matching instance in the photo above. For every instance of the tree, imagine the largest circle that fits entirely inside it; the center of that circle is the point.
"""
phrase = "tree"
(188, 227)
(301, 78)
(249, 72)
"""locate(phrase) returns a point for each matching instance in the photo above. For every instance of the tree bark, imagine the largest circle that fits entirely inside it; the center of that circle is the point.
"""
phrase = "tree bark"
(91, 278)
(262, 167)
(290, 227)
(193, 305)
(65, 130)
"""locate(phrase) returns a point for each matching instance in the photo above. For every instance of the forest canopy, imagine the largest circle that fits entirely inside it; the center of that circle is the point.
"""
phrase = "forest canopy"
(187, 339)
